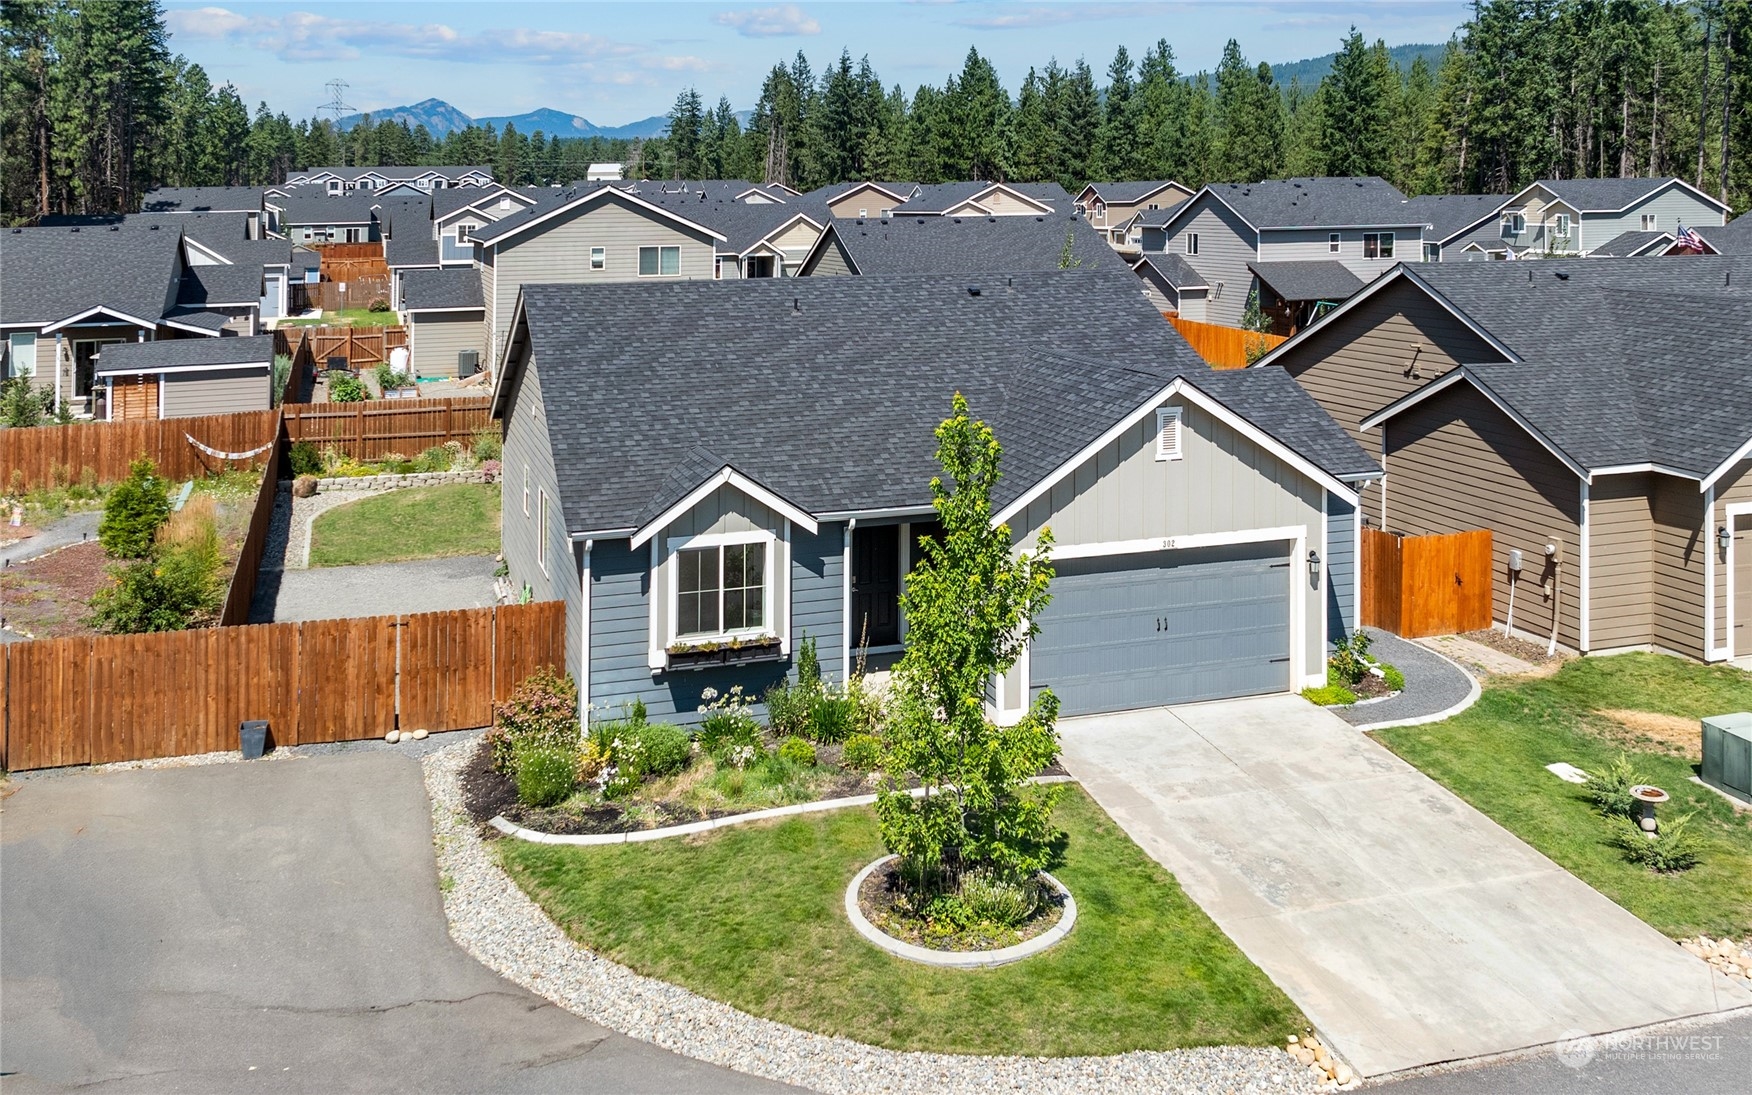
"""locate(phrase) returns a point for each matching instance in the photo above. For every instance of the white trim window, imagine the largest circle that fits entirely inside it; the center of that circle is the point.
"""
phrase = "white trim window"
(463, 232)
(1332, 243)
(722, 586)
(1192, 243)
(1563, 224)
(598, 258)
(863, 213)
(660, 262)
(541, 540)
(1168, 445)
(1377, 245)
(22, 353)
(1513, 224)
(1651, 222)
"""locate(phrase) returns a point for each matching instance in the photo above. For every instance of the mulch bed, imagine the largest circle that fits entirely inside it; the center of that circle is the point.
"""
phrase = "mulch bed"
(1510, 645)
(1370, 687)
(49, 596)
(876, 900)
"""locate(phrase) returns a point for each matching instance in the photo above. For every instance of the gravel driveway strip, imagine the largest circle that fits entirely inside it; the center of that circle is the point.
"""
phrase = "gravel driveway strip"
(492, 919)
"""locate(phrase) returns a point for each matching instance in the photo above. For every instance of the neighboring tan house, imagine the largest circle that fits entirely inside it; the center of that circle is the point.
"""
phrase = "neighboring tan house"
(1571, 413)
(1113, 208)
(182, 378)
(1574, 216)
(1172, 285)
(985, 199)
(755, 469)
(1238, 236)
(597, 235)
(943, 245)
(1461, 227)
(446, 320)
(864, 199)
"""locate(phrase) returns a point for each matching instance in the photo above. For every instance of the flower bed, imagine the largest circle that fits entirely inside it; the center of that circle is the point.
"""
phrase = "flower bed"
(886, 902)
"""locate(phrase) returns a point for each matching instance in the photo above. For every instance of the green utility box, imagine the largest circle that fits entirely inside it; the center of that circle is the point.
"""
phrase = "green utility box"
(1727, 753)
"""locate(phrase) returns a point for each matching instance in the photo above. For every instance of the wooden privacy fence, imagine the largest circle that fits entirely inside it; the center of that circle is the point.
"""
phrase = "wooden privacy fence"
(96, 700)
(1224, 347)
(1416, 586)
(241, 590)
(57, 455)
(357, 291)
(374, 429)
(363, 347)
(332, 252)
(294, 342)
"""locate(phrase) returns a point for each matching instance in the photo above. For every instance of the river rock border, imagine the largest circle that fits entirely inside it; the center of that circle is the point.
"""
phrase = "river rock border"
(493, 920)
(960, 960)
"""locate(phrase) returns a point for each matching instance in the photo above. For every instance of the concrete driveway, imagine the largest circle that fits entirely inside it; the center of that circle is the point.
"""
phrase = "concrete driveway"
(273, 926)
(1406, 925)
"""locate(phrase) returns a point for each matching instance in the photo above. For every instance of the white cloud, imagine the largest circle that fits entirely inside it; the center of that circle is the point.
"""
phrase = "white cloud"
(303, 35)
(775, 22)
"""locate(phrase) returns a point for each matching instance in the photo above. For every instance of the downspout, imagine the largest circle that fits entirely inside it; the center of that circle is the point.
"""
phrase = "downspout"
(1709, 579)
(846, 597)
(584, 640)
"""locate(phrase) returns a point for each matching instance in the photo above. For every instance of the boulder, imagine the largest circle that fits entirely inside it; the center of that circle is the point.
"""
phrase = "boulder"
(392, 737)
(421, 734)
(1342, 1073)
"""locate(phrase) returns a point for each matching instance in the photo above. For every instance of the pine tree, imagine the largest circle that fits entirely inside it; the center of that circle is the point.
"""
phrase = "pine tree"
(1357, 115)
(1162, 106)
(687, 119)
(1116, 144)
(1077, 120)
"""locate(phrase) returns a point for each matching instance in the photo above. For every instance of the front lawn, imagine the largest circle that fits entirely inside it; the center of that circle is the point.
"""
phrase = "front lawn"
(1494, 756)
(417, 523)
(754, 916)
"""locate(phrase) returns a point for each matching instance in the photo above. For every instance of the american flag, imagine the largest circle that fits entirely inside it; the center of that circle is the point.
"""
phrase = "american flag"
(1689, 240)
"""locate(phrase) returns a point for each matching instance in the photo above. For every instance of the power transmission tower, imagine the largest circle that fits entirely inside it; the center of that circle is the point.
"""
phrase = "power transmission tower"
(337, 106)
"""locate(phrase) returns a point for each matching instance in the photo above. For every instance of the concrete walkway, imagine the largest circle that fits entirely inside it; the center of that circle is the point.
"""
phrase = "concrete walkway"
(1433, 685)
(1407, 926)
(276, 927)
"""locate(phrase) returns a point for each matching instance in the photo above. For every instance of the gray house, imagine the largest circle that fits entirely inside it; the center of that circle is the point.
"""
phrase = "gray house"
(1236, 235)
(944, 245)
(707, 491)
(1172, 285)
(1574, 216)
(185, 377)
(446, 321)
(1116, 209)
(1462, 227)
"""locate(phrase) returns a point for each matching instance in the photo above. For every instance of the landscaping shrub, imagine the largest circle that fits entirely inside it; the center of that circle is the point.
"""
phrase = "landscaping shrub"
(794, 750)
(135, 510)
(378, 305)
(593, 760)
(1395, 679)
(305, 458)
(832, 718)
(728, 732)
(542, 711)
(486, 443)
(1350, 660)
(654, 750)
(386, 377)
(1334, 693)
(808, 665)
(22, 404)
(989, 899)
(175, 588)
(436, 458)
(1676, 848)
(282, 375)
(545, 774)
(788, 708)
(346, 389)
(1610, 789)
(862, 753)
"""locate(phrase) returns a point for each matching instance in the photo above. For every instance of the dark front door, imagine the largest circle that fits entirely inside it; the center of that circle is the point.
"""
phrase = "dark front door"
(876, 586)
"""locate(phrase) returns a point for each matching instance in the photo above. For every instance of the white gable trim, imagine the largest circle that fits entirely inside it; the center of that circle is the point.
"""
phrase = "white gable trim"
(1714, 477)
(725, 476)
(832, 230)
(103, 310)
(883, 190)
(191, 328)
(786, 227)
(595, 195)
(1453, 377)
(1014, 193)
(1185, 207)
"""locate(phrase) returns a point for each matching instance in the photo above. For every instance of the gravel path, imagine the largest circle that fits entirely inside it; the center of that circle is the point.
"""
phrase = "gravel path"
(375, 589)
(1432, 683)
(68, 530)
(494, 921)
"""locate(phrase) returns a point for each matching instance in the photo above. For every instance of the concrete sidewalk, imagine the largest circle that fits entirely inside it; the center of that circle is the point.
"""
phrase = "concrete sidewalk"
(1410, 928)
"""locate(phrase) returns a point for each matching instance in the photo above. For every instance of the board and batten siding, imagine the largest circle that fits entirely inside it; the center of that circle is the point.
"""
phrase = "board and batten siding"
(1223, 483)
(1456, 463)
(621, 588)
(1734, 488)
(219, 391)
(1225, 247)
(529, 459)
(1621, 543)
(435, 338)
(1340, 563)
(1315, 245)
(559, 251)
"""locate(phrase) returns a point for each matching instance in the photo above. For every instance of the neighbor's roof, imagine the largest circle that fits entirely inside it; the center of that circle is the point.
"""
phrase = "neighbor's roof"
(1129, 193)
(51, 274)
(1631, 244)
(1360, 201)
(577, 192)
(218, 284)
(1308, 279)
(433, 290)
(976, 245)
(410, 249)
(743, 224)
(827, 390)
(191, 199)
(943, 197)
(1611, 195)
(172, 353)
(1733, 238)
(1448, 215)
(317, 208)
(391, 172)
(1172, 269)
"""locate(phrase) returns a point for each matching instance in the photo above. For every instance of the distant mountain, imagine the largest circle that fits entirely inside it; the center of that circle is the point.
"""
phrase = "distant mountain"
(441, 119)
(1311, 71)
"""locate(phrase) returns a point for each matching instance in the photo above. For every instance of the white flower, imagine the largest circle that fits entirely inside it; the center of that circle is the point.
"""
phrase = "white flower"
(709, 694)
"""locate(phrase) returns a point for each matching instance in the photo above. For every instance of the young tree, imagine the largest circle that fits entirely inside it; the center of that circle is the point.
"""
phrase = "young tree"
(971, 606)
(134, 511)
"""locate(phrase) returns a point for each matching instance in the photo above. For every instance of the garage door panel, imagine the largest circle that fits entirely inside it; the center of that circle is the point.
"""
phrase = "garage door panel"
(1165, 627)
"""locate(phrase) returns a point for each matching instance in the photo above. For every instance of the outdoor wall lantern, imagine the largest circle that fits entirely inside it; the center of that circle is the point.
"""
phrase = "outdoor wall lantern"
(1313, 566)
(1724, 538)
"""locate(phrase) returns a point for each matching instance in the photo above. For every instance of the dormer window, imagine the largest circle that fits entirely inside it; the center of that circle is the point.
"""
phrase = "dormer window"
(1168, 433)
(334, 186)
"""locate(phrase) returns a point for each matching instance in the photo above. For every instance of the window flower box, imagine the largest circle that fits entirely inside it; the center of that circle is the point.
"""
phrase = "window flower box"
(709, 655)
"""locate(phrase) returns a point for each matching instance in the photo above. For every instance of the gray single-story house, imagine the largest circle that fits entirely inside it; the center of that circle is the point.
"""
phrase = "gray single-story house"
(447, 321)
(186, 377)
(756, 469)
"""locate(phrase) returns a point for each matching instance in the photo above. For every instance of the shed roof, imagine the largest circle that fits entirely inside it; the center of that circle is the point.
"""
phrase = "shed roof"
(1172, 269)
(441, 290)
(178, 353)
(1308, 279)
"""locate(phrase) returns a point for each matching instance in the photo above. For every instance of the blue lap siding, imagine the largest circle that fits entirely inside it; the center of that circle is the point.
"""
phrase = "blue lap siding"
(1341, 569)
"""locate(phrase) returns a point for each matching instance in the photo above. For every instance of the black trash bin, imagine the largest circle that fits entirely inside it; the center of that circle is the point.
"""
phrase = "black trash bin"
(252, 738)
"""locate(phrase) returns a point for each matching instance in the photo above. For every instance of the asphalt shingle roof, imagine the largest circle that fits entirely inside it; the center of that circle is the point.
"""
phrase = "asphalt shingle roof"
(1359, 201)
(189, 199)
(743, 224)
(1733, 238)
(1308, 279)
(457, 287)
(555, 199)
(1626, 244)
(942, 197)
(391, 172)
(50, 274)
(1448, 215)
(168, 353)
(827, 390)
(1173, 269)
(321, 209)
(1602, 195)
(1128, 193)
(979, 245)
(410, 249)
(208, 286)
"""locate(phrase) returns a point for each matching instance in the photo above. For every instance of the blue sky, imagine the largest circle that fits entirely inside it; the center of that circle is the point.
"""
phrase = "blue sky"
(618, 62)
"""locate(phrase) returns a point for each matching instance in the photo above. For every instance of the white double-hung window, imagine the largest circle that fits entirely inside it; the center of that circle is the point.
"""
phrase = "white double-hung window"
(659, 262)
(722, 587)
(22, 351)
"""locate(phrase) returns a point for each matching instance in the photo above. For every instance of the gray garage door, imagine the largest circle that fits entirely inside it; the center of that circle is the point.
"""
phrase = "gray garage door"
(1166, 627)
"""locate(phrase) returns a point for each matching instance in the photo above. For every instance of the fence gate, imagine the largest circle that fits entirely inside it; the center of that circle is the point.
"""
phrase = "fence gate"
(1415, 586)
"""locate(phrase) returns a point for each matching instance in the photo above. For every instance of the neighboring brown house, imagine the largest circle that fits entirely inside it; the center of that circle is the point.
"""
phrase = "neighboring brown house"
(1532, 401)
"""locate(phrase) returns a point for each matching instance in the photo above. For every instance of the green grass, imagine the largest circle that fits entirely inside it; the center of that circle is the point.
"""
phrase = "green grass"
(1494, 756)
(754, 916)
(348, 317)
(418, 523)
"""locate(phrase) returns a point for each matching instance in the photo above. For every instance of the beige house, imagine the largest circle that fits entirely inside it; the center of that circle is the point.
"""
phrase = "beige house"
(1112, 208)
